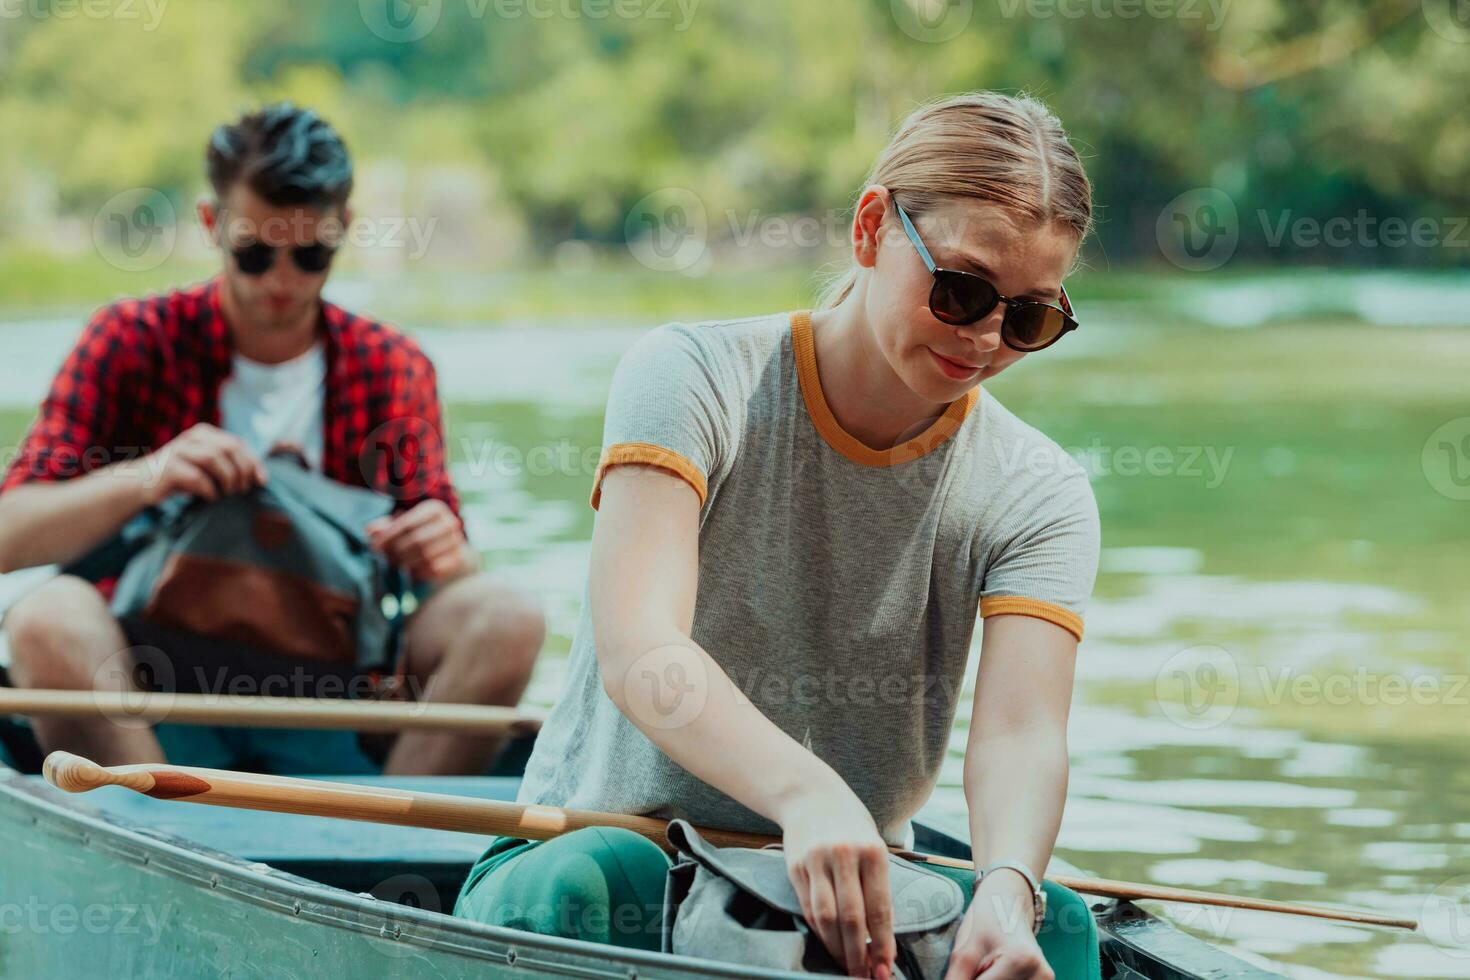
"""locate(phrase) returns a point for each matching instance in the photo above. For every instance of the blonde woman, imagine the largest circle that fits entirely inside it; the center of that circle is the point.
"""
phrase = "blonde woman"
(800, 516)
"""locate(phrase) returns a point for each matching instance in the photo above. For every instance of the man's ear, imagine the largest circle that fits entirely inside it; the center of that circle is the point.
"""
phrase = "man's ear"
(209, 218)
(867, 225)
(332, 225)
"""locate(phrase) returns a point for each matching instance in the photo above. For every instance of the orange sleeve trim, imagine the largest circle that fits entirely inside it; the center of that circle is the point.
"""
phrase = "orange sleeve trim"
(647, 454)
(1014, 605)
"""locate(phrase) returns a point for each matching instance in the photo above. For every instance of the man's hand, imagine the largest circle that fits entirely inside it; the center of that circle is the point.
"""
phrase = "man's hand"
(205, 461)
(426, 540)
(996, 941)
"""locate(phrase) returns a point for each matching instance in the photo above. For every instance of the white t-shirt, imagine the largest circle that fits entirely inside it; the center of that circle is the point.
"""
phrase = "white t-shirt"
(267, 404)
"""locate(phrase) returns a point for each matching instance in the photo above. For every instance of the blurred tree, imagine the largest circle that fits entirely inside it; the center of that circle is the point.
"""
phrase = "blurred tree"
(1312, 107)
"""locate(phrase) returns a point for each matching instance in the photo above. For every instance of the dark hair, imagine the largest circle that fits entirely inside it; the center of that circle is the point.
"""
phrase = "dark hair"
(287, 155)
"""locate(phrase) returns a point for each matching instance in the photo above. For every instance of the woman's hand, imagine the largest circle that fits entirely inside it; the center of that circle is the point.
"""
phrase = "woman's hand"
(996, 940)
(838, 864)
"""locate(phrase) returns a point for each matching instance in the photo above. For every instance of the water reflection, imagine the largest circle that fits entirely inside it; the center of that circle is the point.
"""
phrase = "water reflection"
(1251, 805)
(1280, 575)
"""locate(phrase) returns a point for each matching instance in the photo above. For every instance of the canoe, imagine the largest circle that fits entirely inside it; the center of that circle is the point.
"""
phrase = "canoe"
(144, 888)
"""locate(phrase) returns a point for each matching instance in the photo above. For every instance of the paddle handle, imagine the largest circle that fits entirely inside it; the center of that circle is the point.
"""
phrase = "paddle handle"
(346, 801)
(271, 712)
(436, 811)
(1132, 890)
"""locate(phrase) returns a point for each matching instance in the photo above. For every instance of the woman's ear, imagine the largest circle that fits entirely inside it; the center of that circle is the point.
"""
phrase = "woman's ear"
(867, 225)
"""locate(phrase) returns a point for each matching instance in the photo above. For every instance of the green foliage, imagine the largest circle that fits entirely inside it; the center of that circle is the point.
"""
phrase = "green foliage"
(1317, 109)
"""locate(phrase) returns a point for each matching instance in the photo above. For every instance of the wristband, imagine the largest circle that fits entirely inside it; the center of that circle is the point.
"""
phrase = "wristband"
(1038, 897)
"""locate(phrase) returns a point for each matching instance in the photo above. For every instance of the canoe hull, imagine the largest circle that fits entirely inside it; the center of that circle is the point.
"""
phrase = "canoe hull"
(81, 892)
(131, 883)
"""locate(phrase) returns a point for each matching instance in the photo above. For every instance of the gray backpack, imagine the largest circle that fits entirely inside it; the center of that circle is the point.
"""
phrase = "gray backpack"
(737, 905)
(284, 569)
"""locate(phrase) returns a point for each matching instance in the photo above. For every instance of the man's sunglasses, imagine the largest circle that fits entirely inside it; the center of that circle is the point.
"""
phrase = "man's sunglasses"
(256, 258)
(960, 298)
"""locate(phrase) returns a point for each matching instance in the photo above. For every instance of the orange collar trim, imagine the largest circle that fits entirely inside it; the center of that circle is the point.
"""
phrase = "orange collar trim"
(839, 438)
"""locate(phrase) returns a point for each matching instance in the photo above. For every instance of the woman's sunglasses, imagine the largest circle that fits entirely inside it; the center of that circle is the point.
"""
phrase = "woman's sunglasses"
(256, 258)
(959, 298)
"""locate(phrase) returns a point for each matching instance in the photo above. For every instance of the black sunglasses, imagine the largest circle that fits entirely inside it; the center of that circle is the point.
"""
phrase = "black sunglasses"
(256, 258)
(959, 298)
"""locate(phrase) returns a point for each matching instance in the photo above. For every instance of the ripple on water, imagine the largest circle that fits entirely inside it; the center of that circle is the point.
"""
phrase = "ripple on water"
(1418, 958)
(1219, 792)
(1169, 600)
(1210, 872)
(1363, 817)
(1097, 825)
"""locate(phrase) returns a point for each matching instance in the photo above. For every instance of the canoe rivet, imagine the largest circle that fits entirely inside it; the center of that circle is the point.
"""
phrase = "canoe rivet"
(147, 858)
(86, 838)
(295, 908)
(510, 957)
(214, 881)
(397, 932)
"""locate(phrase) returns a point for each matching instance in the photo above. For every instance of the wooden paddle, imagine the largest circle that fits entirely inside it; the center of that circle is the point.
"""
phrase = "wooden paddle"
(265, 712)
(436, 811)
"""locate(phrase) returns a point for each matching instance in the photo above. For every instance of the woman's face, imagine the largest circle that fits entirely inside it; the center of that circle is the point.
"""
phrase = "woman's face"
(940, 362)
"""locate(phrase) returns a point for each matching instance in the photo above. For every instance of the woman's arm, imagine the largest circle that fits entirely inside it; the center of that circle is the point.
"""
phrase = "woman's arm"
(1016, 786)
(644, 578)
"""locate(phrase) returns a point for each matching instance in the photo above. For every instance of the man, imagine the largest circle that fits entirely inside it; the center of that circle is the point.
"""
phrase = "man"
(197, 386)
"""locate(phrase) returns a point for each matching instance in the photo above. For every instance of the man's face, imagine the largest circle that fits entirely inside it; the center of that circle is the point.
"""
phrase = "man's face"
(283, 294)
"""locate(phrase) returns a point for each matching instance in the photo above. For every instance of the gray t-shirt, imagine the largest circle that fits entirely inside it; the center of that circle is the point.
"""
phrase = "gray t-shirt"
(838, 584)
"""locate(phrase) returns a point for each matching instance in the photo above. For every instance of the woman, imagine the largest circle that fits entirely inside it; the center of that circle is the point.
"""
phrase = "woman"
(798, 516)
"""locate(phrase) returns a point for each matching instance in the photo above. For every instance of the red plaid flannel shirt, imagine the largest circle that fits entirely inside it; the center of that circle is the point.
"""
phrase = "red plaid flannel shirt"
(146, 370)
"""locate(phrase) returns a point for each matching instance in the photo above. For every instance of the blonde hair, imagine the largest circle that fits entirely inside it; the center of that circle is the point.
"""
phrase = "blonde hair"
(1010, 151)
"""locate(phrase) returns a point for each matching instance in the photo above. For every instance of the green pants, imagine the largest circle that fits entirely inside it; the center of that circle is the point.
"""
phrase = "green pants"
(606, 885)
